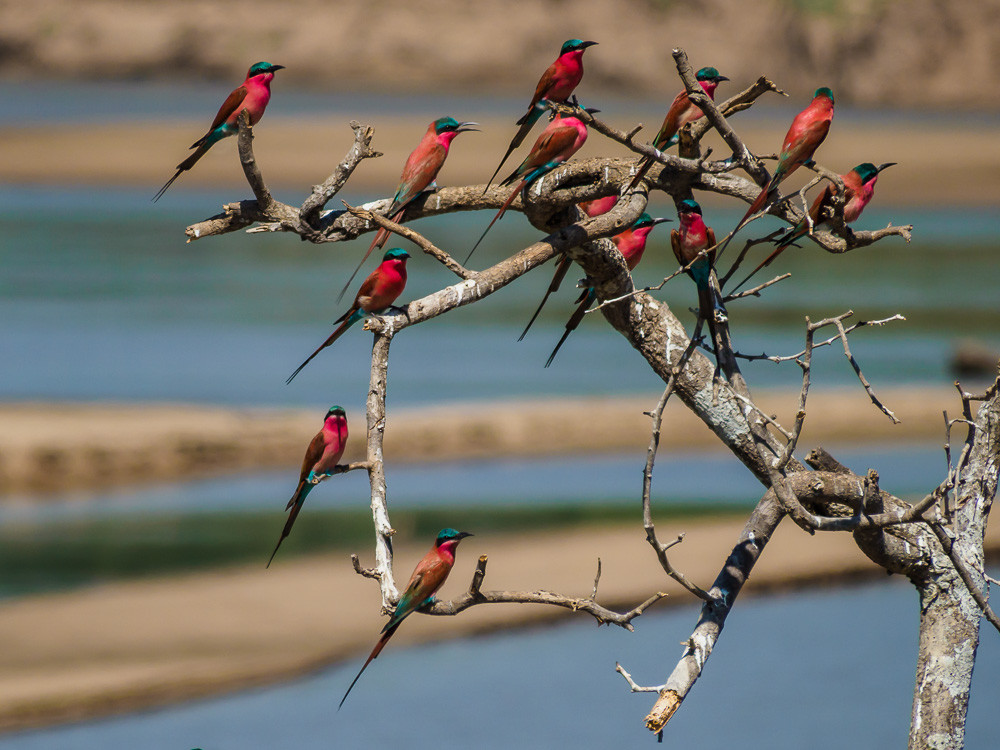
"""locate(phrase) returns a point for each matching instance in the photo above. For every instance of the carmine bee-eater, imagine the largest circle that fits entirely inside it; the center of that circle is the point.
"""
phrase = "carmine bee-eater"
(419, 174)
(631, 244)
(252, 96)
(322, 456)
(681, 112)
(859, 189)
(562, 138)
(808, 130)
(592, 208)
(598, 206)
(429, 575)
(556, 85)
(687, 242)
(376, 294)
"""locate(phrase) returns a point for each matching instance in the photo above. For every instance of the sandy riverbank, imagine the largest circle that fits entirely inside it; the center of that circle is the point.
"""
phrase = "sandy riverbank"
(295, 154)
(908, 52)
(116, 444)
(126, 646)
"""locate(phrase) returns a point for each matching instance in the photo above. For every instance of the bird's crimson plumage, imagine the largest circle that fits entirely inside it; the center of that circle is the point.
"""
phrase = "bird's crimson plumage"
(252, 96)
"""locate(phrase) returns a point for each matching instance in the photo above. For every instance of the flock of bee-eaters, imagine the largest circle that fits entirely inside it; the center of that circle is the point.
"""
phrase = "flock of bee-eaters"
(693, 242)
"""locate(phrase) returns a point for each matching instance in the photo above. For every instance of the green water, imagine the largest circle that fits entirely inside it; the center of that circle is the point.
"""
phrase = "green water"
(55, 556)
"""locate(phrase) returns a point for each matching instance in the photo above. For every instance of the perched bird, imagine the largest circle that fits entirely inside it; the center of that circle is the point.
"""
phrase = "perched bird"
(592, 208)
(252, 96)
(598, 206)
(562, 138)
(808, 130)
(687, 242)
(377, 293)
(429, 575)
(681, 112)
(556, 85)
(859, 189)
(631, 244)
(419, 173)
(322, 456)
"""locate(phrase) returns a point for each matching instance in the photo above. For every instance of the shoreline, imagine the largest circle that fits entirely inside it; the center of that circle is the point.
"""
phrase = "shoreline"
(295, 153)
(133, 646)
(139, 443)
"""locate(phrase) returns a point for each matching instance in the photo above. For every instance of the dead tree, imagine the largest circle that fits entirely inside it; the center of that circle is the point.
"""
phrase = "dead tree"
(937, 543)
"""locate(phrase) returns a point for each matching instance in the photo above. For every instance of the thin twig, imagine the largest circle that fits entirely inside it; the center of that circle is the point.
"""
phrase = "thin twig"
(413, 236)
(475, 596)
(857, 369)
(826, 342)
(322, 194)
(741, 153)
(755, 292)
(253, 174)
(654, 288)
(631, 683)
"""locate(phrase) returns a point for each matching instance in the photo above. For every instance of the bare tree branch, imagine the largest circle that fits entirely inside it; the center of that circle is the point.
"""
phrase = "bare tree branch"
(741, 154)
(588, 605)
(415, 237)
(323, 193)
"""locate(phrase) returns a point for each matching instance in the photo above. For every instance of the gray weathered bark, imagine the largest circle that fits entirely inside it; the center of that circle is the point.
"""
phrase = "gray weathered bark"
(937, 543)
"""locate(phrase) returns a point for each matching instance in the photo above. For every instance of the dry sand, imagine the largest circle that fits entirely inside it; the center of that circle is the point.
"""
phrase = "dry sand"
(911, 52)
(125, 646)
(295, 154)
(133, 443)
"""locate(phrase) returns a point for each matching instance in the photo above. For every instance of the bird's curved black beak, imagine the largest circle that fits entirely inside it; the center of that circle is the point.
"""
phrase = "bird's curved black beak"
(587, 44)
(463, 534)
(463, 127)
(888, 164)
(721, 78)
(661, 220)
(277, 67)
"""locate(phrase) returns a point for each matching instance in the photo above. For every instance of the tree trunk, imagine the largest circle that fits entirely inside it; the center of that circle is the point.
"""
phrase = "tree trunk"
(949, 637)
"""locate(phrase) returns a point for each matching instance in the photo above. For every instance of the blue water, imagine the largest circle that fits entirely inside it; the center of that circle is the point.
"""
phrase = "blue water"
(103, 300)
(678, 477)
(824, 670)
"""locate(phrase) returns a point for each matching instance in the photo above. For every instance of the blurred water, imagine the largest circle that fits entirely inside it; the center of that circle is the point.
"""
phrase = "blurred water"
(41, 101)
(103, 300)
(709, 478)
(823, 670)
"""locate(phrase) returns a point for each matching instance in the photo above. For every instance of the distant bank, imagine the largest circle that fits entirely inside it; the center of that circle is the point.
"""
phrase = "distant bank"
(127, 646)
(121, 444)
(908, 53)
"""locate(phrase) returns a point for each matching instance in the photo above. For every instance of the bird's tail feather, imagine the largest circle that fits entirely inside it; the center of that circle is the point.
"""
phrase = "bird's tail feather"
(510, 150)
(500, 213)
(644, 167)
(184, 166)
(766, 262)
(708, 306)
(758, 204)
(526, 123)
(557, 279)
(371, 657)
(381, 237)
(588, 296)
(296, 505)
(333, 337)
